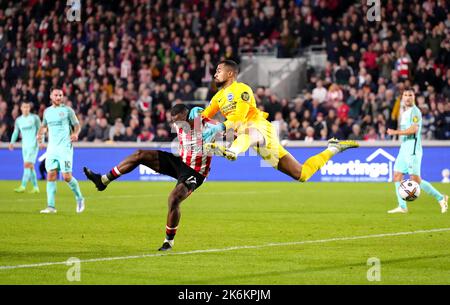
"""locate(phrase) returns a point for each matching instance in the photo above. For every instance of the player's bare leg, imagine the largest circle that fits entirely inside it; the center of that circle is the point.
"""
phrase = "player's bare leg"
(178, 194)
(402, 208)
(429, 189)
(148, 158)
(287, 164)
(290, 166)
(303, 172)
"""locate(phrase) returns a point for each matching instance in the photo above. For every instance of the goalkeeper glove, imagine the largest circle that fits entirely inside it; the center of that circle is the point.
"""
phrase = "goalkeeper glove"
(210, 133)
(195, 112)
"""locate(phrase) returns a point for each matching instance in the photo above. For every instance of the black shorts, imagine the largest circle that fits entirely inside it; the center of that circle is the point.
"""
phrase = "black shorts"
(171, 165)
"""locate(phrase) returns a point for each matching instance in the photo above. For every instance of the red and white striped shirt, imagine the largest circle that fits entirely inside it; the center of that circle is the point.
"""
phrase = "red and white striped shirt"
(191, 147)
(402, 66)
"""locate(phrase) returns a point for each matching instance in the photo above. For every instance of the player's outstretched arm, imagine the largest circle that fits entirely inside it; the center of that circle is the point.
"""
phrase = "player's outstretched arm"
(406, 132)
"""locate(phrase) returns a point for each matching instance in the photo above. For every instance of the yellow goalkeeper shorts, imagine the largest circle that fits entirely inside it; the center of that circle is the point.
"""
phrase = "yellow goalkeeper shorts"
(272, 151)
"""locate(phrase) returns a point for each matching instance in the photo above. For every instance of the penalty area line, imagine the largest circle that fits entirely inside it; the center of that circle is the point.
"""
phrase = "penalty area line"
(201, 251)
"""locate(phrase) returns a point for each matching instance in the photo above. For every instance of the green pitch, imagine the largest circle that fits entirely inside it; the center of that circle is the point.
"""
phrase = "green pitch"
(315, 224)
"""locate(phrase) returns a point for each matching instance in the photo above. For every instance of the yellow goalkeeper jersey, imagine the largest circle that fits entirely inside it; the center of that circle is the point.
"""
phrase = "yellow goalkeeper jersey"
(236, 103)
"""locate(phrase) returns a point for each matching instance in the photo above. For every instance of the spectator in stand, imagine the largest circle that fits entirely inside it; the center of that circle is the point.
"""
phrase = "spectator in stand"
(117, 130)
(309, 137)
(334, 95)
(113, 65)
(356, 133)
(319, 92)
(280, 124)
(336, 132)
(116, 107)
(371, 135)
(428, 123)
(402, 65)
(101, 131)
(162, 135)
(4, 137)
(343, 73)
(145, 135)
(294, 129)
(129, 135)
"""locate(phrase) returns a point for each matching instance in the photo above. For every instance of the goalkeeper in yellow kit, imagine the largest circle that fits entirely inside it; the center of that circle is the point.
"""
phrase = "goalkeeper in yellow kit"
(236, 102)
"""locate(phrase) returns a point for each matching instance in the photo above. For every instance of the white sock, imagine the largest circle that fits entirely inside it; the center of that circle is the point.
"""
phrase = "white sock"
(105, 180)
(233, 150)
(334, 150)
(171, 242)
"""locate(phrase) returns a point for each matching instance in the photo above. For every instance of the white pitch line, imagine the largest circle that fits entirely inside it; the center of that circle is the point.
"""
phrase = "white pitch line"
(318, 241)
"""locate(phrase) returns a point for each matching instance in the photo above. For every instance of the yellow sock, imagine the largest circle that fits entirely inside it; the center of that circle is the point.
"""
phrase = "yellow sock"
(241, 144)
(314, 163)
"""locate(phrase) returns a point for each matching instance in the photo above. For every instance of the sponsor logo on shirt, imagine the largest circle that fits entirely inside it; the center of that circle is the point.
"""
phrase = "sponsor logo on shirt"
(245, 96)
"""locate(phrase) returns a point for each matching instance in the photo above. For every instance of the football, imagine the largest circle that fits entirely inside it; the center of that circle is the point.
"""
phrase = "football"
(409, 190)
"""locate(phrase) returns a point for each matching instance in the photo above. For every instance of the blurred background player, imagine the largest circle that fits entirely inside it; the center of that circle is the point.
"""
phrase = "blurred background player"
(409, 157)
(190, 168)
(27, 125)
(63, 129)
(236, 102)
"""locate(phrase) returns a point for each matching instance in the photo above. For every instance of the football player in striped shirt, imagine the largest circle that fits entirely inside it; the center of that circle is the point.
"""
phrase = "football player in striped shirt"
(190, 167)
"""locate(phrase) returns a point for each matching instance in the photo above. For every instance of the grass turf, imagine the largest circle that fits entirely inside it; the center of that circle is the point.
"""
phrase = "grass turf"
(129, 219)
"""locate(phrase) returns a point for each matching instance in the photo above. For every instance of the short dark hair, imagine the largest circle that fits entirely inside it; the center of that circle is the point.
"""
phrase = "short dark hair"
(178, 108)
(55, 88)
(230, 64)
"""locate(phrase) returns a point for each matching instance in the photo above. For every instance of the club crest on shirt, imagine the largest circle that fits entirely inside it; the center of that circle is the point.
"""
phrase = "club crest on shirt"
(61, 114)
(230, 96)
(415, 119)
(245, 96)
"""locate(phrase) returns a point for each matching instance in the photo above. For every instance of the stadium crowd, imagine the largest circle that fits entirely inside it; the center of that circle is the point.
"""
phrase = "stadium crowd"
(126, 62)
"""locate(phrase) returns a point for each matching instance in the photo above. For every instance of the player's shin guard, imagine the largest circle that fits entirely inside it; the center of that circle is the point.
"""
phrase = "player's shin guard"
(313, 164)
(51, 191)
(241, 144)
(170, 232)
(401, 202)
(33, 178)
(75, 187)
(25, 176)
(112, 175)
(428, 188)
